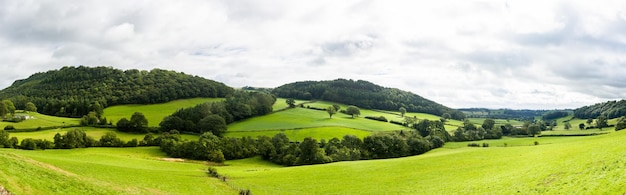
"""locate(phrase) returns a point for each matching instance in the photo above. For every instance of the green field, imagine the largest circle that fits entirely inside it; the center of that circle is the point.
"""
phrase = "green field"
(36, 120)
(143, 170)
(326, 133)
(153, 112)
(307, 118)
(96, 133)
(558, 165)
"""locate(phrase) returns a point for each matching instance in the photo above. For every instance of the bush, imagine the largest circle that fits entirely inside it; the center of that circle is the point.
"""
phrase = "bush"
(9, 127)
(485, 144)
(473, 145)
(380, 118)
(536, 143)
(398, 123)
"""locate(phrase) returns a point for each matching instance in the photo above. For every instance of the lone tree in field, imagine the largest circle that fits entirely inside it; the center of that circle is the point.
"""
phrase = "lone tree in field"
(581, 126)
(291, 103)
(402, 111)
(331, 110)
(601, 122)
(567, 126)
(353, 110)
(534, 130)
(337, 107)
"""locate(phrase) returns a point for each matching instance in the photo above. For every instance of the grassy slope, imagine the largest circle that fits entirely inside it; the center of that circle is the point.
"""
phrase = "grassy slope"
(153, 112)
(104, 171)
(40, 120)
(581, 165)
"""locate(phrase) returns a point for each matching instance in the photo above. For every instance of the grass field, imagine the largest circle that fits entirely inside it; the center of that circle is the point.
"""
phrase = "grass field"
(153, 112)
(299, 134)
(40, 120)
(104, 171)
(558, 165)
(96, 133)
(307, 118)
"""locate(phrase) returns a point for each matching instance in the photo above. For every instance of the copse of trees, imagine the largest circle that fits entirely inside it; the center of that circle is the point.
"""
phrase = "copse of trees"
(214, 116)
(137, 123)
(610, 109)
(488, 130)
(363, 94)
(70, 91)
(548, 116)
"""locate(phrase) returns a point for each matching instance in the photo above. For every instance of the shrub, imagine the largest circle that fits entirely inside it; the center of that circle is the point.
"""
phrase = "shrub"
(9, 127)
(485, 144)
(536, 143)
(473, 145)
(379, 118)
(398, 123)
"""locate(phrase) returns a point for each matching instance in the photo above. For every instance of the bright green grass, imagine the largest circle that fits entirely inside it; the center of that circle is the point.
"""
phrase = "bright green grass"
(306, 118)
(106, 171)
(153, 112)
(558, 165)
(318, 133)
(281, 103)
(41, 120)
(96, 133)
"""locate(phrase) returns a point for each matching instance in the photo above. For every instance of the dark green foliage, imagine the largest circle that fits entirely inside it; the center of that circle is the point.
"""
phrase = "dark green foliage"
(30, 107)
(10, 107)
(353, 111)
(473, 145)
(4, 110)
(9, 127)
(240, 106)
(331, 111)
(554, 115)
(379, 118)
(432, 128)
(534, 129)
(72, 91)
(610, 109)
(488, 123)
(4, 139)
(291, 102)
(581, 126)
(212, 123)
(73, 139)
(601, 122)
(137, 123)
(110, 139)
(363, 94)
(621, 124)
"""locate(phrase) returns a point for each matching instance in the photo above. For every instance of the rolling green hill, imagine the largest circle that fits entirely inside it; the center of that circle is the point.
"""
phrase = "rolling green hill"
(579, 165)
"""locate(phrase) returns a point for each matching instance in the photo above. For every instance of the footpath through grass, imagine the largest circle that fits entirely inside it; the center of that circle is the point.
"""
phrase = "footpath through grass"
(558, 165)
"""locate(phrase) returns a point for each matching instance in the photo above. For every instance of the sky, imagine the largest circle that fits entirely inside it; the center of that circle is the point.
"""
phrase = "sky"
(488, 54)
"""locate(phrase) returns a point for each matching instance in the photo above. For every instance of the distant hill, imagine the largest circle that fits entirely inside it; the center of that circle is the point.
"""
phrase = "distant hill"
(611, 109)
(74, 91)
(363, 94)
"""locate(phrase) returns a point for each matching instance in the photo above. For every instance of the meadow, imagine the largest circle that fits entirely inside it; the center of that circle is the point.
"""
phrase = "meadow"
(153, 112)
(36, 120)
(142, 170)
(558, 165)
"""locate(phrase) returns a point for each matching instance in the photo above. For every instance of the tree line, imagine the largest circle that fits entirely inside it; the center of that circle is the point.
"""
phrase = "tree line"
(610, 109)
(365, 95)
(71, 91)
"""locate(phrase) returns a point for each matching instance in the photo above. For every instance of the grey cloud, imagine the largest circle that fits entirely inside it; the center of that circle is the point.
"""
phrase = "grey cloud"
(347, 48)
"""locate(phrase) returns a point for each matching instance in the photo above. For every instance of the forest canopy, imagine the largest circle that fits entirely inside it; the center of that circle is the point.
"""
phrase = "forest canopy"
(363, 94)
(73, 91)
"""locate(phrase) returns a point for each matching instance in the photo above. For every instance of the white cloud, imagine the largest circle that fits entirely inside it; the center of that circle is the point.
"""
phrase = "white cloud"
(515, 54)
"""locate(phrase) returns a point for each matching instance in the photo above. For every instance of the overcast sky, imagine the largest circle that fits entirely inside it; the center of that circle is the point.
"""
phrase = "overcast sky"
(493, 54)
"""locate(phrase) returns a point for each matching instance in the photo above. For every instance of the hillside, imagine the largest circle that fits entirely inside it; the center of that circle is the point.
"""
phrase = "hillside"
(73, 91)
(610, 109)
(363, 94)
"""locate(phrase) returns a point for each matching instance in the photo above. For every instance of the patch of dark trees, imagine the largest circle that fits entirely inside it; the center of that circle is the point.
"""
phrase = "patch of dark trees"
(552, 115)
(522, 115)
(73, 91)
(364, 95)
(610, 109)
(214, 116)
(70, 140)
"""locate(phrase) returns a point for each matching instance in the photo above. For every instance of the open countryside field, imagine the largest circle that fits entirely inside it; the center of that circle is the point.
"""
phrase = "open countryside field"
(36, 120)
(153, 112)
(558, 165)
(140, 170)
(96, 133)
(326, 133)
(307, 118)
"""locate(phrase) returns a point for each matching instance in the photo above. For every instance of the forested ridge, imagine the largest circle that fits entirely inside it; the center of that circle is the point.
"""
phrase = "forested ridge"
(363, 94)
(610, 109)
(74, 91)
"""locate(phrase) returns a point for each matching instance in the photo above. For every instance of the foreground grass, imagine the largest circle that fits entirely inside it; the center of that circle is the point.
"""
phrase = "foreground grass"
(104, 171)
(153, 112)
(558, 165)
(318, 133)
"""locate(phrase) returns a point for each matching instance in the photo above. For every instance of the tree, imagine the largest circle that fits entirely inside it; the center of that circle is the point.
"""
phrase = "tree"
(4, 110)
(214, 124)
(589, 121)
(291, 103)
(601, 122)
(446, 116)
(30, 107)
(10, 106)
(567, 125)
(138, 122)
(488, 124)
(353, 110)
(581, 126)
(96, 107)
(621, 124)
(331, 110)
(402, 111)
(534, 129)
(123, 125)
(337, 107)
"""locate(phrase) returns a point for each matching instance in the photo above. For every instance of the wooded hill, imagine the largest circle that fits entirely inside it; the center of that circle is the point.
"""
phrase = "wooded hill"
(363, 94)
(74, 91)
(610, 109)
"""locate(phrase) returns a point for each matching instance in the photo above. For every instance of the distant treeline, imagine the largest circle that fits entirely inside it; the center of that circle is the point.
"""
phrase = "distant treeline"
(523, 115)
(365, 95)
(610, 109)
(73, 91)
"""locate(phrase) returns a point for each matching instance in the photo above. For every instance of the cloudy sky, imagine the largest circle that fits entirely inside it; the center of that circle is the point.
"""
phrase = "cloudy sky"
(494, 54)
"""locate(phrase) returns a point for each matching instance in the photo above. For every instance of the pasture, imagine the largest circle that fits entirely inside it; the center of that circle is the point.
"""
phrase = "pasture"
(326, 133)
(153, 112)
(558, 165)
(143, 170)
(36, 120)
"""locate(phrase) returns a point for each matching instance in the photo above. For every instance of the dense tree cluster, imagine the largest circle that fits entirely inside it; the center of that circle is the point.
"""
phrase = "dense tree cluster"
(522, 115)
(548, 116)
(488, 130)
(69, 140)
(610, 109)
(71, 91)
(214, 116)
(365, 95)
(137, 123)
